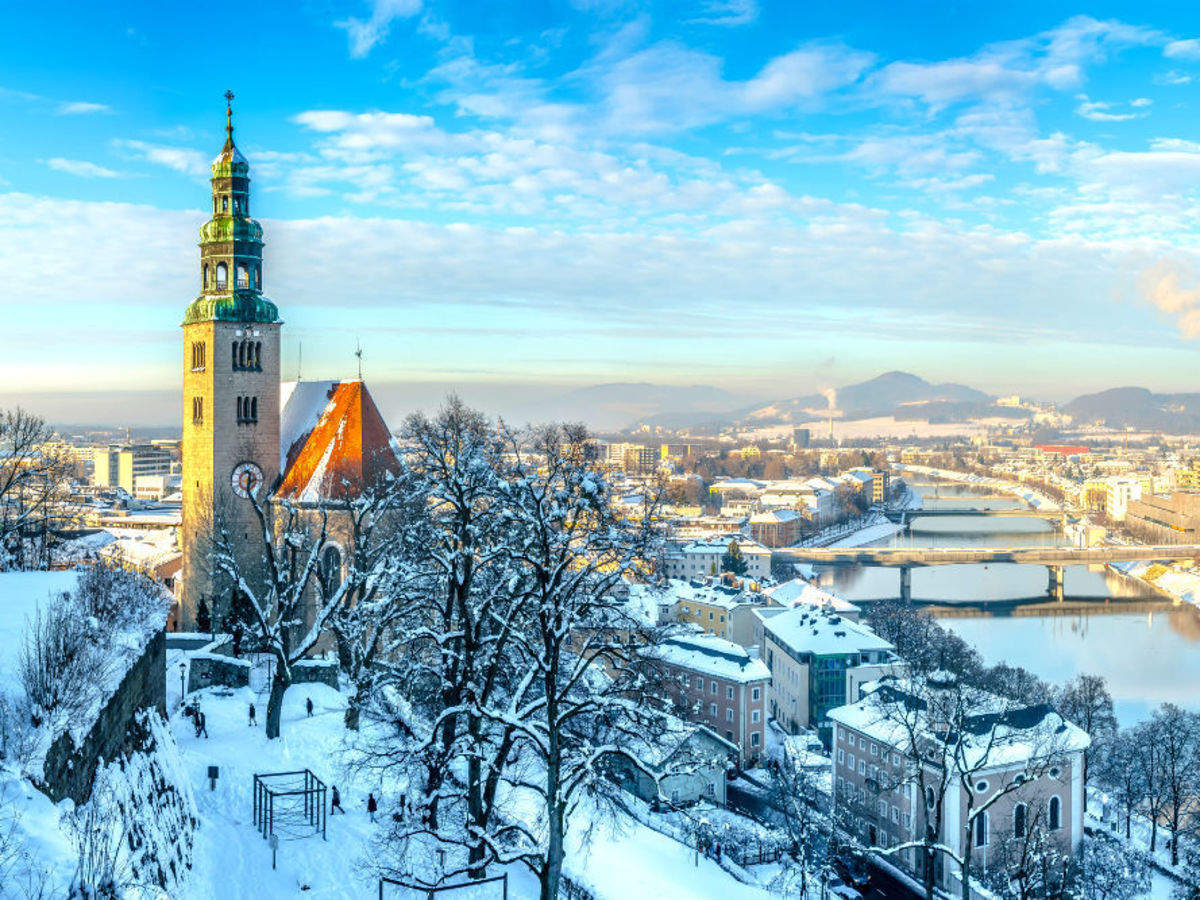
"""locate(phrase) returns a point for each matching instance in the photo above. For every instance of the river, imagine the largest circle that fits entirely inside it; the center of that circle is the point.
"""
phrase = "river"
(1147, 648)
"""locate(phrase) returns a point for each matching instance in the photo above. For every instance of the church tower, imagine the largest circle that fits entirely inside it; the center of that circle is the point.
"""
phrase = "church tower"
(230, 389)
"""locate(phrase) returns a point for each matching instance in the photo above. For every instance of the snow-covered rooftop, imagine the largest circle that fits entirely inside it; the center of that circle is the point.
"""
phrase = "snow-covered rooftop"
(799, 592)
(996, 733)
(822, 632)
(711, 655)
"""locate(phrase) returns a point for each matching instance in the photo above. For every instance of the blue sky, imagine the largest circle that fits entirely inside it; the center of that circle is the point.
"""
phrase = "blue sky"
(770, 197)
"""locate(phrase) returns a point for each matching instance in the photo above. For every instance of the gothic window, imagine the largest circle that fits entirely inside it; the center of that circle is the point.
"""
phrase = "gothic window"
(240, 416)
(198, 356)
(258, 354)
(241, 363)
(981, 830)
(233, 355)
(243, 276)
(197, 410)
(222, 275)
(331, 570)
(224, 204)
(206, 276)
(1019, 813)
(1055, 813)
(253, 409)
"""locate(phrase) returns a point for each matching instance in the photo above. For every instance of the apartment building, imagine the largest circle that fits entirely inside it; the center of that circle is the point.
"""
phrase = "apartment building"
(776, 527)
(121, 466)
(718, 684)
(1029, 755)
(818, 661)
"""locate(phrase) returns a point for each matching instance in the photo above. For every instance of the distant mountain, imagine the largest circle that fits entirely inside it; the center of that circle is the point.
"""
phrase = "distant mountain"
(1134, 407)
(899, 394)
(611, 407)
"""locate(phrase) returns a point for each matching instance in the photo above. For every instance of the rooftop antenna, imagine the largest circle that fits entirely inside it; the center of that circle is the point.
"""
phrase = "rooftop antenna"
(358, 353)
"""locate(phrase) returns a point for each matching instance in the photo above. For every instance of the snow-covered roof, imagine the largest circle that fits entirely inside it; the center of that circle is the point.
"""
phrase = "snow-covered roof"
(822, 632)
(721, 545)
(775, 517)
(799, 592)
(998, 733)
(333, 440)
(711, 655)
(676, 590)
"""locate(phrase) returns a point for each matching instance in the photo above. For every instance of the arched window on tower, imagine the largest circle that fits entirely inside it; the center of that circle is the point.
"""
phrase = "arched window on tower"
(253, 409)
(198, 356)
(240, 410)
(1020, 811)
(331, 570)
(258, 355)
(243, 276)
(233, 355)
(224, 204)
(197, 410)
(1055, 817)
(206, 276)
(258, 276)
(222, 275)
(241, 358)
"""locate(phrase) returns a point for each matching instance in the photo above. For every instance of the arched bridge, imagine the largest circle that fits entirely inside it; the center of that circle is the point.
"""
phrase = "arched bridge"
(902, 515)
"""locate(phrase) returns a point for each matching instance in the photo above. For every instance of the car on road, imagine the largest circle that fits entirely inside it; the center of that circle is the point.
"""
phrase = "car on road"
(838, 888)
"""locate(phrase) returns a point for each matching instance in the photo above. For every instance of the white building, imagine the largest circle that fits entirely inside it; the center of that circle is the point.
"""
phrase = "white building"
(701, 558)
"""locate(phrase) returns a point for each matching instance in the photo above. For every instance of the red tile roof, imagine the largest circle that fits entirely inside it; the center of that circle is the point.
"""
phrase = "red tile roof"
(345, 449)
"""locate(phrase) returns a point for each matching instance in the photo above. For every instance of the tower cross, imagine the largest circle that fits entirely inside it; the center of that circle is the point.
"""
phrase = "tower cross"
(358, 353)
(229, 95)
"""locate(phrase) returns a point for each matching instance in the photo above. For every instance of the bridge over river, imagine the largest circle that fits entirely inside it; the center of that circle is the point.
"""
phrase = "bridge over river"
(903, 515)
(1054, 558)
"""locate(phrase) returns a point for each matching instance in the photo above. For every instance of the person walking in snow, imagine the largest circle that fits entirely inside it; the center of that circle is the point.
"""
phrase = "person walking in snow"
(202, 725)
(372, 806)
(308, 705)
(335, 802)
(253, 718)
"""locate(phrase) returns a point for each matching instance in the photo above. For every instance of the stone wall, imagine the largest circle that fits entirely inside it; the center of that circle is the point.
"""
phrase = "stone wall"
(316, 671)
(209, 669)
(70, 771)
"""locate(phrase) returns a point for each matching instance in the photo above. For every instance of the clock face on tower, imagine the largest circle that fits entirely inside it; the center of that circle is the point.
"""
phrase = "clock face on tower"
(247, 478)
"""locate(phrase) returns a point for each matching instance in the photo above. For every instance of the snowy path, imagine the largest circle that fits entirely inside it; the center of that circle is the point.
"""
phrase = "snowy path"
(234, 863)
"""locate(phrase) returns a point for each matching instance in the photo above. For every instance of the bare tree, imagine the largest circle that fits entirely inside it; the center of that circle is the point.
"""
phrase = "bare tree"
(288, 610)
(33, 474)
(1177, 736)
(1085, 700)
(576, 709)
(796, 795)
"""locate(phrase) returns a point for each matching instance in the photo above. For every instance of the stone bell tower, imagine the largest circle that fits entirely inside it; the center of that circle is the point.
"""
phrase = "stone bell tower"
(230, 391)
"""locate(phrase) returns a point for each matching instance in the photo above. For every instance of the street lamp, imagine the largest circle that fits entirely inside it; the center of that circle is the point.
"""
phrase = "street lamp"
(182, 677)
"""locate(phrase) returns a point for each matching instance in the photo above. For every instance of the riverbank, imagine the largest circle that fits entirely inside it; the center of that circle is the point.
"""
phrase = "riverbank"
(1180, 585)
(1033, 497)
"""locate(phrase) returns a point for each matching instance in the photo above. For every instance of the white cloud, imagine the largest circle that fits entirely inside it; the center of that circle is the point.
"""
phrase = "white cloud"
(1173, 77)
(180, 159)
(1009, 71)
(1099, 111)
(1160, 286)
(81, 107)
(726, 12)
(365, 34)
(1186, 49)
(80, 167)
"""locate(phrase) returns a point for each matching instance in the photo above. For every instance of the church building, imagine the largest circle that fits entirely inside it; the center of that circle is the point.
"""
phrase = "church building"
(246, 435)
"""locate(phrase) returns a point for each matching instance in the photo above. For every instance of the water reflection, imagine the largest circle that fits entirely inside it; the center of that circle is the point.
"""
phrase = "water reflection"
(1147, 648)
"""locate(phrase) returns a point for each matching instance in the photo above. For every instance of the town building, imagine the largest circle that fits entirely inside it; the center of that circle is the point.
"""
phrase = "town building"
(1165, 520)
(818, 661)
(801, 593)
(705, 557)
(776, 527)
(1030, 755)
(718, 684)
(122, 465)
